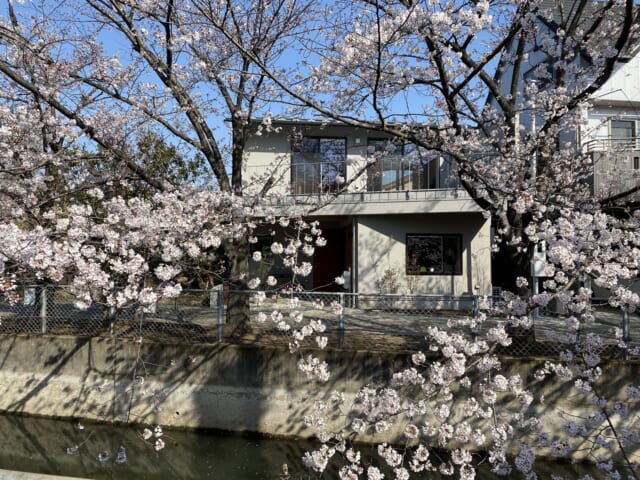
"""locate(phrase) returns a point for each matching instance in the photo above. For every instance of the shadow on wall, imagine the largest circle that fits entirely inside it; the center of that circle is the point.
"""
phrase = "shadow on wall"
(231, 388)
(236, 388)
(382, 257)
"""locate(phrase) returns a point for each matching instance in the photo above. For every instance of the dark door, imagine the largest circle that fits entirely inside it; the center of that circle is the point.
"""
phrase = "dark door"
(331, 260)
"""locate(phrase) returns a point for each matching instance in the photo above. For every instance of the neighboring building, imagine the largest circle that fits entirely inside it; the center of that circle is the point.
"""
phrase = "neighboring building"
(402, 226)
(609, 133)
(611, 130)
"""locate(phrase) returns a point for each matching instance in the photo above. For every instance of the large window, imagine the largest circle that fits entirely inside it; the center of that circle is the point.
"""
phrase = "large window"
(400, 166)
(434, 254)
(318, 164)
(390, 171)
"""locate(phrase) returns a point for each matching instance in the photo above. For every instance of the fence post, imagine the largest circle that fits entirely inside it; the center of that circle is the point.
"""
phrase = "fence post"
(476, 306)
(626, 334)
(43, 308)
(112, 319)
(220, 304)
(341, 320)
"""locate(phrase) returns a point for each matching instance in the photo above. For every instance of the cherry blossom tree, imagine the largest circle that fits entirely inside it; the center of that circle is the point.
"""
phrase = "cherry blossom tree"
(501, 89)
(99, 77)
(450, 77)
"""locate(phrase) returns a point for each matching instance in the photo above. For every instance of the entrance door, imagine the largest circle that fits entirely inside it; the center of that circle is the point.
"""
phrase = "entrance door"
(331, 260)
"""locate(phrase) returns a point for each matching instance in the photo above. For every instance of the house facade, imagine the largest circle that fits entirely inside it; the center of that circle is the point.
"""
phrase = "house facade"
(402, 224)
(608, 133)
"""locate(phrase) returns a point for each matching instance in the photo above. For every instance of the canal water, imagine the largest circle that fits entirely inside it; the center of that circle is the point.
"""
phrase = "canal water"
(100, 452)
(95, 451)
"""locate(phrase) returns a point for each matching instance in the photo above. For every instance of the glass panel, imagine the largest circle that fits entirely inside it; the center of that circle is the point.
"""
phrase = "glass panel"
(426, 170)
(448, 178)
(391, 171)
(622, 129)
(333, 163)
(317, 163)
(425, 254)
(405, 167)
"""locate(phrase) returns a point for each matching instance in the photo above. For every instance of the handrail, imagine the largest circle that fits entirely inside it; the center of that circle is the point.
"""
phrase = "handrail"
(615, 144)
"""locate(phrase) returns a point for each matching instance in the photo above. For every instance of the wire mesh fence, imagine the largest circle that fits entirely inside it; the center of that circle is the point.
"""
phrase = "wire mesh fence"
(351, 321)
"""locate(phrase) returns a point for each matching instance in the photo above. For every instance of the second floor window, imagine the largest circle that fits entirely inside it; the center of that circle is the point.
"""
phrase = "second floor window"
(318, 164)
(623, 134)
(400, 167)
(623, 128)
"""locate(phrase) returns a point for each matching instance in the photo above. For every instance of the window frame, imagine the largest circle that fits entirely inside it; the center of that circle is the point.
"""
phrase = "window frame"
(451, 266)
(298, 147)
(630, 121)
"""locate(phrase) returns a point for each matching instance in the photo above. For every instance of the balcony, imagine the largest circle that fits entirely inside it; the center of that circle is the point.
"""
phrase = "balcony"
(616, 165)
(371, 186)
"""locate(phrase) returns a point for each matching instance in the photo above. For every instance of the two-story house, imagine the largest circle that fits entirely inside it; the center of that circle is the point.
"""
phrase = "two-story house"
(610, 134)
(402, 225)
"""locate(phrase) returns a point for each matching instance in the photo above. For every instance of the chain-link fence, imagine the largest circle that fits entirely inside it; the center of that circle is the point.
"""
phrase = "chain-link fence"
(351, 321)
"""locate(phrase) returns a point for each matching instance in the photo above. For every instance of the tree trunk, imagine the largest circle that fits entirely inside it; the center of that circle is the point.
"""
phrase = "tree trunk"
(238, 305)
(514, 257)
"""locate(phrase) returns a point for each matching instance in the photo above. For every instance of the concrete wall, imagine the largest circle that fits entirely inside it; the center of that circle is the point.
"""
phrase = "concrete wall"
(224, 387)
(381, 247)
(245, 388)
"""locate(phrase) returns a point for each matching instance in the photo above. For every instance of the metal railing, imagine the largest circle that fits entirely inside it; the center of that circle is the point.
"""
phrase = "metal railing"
(352, 320)
(311, 175)
(613, 144)
(354, 198)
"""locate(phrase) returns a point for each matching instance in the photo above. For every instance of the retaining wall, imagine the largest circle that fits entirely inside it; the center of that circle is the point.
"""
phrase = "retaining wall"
(241, 389)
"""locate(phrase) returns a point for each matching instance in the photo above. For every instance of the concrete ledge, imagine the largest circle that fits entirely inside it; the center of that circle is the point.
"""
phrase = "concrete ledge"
(13, 475)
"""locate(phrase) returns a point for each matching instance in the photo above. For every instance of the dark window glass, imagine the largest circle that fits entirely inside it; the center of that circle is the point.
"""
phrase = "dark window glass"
(434, 254)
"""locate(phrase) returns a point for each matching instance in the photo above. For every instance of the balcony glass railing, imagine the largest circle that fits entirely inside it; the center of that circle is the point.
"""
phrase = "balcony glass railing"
(315, 173)
(397, 173)
(304, 176)
(616, 165)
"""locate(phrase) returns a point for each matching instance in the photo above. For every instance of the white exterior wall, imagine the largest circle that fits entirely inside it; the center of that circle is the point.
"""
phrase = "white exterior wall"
(267, 154)
(381, 247)
(618, 98)
(623, 88)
